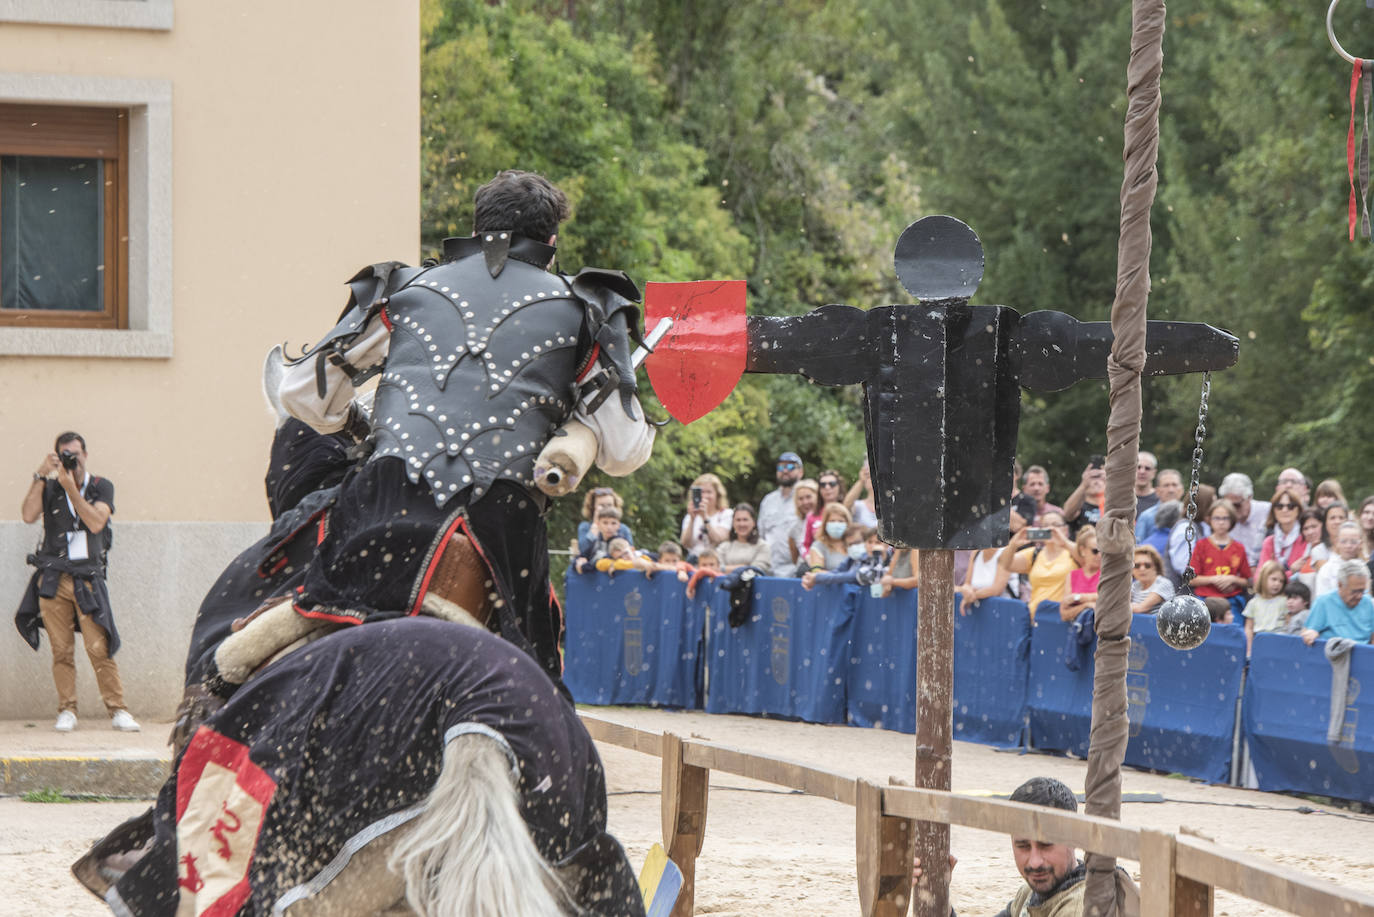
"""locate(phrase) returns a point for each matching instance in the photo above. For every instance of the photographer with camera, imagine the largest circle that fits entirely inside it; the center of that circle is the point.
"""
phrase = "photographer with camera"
(67, 592)
(709, 517)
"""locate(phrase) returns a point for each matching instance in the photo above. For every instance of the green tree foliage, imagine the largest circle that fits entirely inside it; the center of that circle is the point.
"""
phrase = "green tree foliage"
(789, 141)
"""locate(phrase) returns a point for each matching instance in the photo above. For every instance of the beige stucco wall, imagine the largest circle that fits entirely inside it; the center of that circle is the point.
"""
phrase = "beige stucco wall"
(294, 149)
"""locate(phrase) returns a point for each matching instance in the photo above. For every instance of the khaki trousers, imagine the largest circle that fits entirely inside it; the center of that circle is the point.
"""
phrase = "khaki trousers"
(59, 620)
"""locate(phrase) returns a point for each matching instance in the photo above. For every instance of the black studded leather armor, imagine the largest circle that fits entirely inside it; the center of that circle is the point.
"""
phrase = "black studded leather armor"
(481, 368)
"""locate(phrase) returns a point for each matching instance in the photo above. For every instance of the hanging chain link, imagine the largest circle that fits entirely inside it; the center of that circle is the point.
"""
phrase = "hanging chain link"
(1190, 533)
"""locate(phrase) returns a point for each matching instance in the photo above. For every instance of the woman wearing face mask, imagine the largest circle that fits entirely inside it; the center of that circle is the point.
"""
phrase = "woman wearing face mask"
(829, 551)
(744, 547)
(831, 490)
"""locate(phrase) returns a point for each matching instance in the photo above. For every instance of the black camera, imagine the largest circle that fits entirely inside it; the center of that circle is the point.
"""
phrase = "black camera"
(68, 459)
(696, 498)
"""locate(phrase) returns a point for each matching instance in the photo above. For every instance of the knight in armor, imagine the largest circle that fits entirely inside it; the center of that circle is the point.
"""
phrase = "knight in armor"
(482, 358)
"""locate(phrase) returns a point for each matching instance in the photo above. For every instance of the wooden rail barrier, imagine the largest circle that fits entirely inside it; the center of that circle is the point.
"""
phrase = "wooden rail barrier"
(1179, 874)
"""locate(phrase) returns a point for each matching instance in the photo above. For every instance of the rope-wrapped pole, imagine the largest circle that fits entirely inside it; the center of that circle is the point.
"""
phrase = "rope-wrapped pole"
(1116, 531)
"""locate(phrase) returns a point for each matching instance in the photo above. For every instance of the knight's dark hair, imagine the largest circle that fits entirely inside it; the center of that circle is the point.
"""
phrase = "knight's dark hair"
(1048, 792)
(69, 436)
(525, 203)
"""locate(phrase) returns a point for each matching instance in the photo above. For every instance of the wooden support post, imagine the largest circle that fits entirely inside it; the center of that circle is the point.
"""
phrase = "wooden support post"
(934, 722)
(684, 817)
(1163, 892)
(884, 846)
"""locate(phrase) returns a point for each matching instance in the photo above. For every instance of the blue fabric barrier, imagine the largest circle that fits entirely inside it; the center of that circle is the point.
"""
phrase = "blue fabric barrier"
(1181, 705)
(1287, 713)
(789, 659)
(633, 640)
(991, 653)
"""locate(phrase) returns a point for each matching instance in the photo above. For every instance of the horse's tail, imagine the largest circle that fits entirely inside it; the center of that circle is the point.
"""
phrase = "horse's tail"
(469, 853)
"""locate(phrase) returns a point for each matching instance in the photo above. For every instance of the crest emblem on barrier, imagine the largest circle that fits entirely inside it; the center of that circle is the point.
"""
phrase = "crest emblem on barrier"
(780, 633)
(1137, 687)
(634, 634)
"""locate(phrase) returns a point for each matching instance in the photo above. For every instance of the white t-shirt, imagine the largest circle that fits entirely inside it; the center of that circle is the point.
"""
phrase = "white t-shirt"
(697, 540)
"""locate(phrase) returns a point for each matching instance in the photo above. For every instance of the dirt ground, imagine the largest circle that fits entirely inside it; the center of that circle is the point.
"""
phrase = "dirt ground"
(769, 851)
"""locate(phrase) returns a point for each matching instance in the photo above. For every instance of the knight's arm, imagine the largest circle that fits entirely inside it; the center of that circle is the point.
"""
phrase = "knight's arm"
(318, 387)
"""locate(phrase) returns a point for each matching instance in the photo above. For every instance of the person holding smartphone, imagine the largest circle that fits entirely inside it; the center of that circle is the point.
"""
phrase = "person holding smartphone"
(1084, 505)
(709, 516)
(1048, 562)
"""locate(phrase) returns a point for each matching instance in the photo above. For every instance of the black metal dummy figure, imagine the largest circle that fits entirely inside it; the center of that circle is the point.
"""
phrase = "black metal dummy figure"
(941, 382)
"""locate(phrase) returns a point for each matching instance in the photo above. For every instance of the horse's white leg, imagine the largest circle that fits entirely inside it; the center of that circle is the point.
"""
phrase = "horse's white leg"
(469, 853)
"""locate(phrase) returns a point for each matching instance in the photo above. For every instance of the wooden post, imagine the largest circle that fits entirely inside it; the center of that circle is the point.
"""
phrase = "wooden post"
(1163, 892)
(884, 846)
(934, 722)
(684, 817)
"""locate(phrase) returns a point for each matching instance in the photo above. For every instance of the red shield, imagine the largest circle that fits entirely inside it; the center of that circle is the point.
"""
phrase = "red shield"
(702, 357)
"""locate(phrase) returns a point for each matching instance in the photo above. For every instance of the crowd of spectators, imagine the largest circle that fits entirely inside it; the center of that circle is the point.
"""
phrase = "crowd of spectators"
(1297, 563)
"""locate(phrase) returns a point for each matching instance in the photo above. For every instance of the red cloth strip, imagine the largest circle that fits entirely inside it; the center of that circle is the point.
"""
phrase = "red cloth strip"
(1350, 145)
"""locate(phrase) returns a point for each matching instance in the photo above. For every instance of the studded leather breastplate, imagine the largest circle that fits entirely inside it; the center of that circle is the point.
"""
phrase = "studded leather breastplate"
(479, 374)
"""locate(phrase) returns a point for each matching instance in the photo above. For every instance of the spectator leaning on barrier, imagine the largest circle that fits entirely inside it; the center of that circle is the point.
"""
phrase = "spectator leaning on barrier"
(828, 551)
(67, 592)
(596, 498)
(1168, 486)
(1348, 612)
(1150, 588)
(743, 548)
(847, 570)
(1297, 600)
(1268, 610)
(606, 529)
(778, 513)
(1251, 514)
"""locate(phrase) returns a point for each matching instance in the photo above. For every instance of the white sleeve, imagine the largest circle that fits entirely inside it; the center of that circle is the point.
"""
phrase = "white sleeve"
(300, 396)
(623, 444)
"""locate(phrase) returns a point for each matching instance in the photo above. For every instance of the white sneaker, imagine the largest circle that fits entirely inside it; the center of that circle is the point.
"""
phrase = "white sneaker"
(66, 721)
(122, 721)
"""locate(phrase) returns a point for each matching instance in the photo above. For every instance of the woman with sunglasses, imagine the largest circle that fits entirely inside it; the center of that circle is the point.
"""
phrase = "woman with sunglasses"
(831, 490)
(1149, 587)
(1285, 545)
(1080, 592)
(596, 498)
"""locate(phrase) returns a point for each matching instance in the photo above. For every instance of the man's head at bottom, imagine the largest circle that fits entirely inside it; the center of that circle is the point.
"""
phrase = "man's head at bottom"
(1044, 865)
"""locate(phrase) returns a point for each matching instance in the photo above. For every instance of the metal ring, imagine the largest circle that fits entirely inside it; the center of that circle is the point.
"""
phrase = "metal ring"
(1331, 34)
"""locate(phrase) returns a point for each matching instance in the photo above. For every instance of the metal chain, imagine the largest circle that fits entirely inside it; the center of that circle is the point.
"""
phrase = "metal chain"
(1189, 534)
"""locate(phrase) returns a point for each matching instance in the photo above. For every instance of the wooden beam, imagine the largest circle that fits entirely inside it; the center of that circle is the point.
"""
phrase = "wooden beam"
(650, 743)
(934, 722)
(884, 846)
(1015, 819)
(1267, 882)
(810, 780)
(684, 817)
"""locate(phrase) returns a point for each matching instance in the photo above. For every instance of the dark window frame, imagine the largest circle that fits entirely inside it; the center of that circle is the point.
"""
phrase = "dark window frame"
(90, 133)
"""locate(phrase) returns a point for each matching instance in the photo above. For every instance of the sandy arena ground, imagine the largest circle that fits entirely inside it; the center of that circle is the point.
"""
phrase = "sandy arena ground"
(772, 852)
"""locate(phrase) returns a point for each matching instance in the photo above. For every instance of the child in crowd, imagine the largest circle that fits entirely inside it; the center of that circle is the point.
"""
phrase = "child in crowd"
(847, 570)
(670, 561)
(607, 528)
(1297, 602)
(620, 556)
(1219, 609)
(1223, 570)
(1267, 610)
(1349, 543)
(708, 565)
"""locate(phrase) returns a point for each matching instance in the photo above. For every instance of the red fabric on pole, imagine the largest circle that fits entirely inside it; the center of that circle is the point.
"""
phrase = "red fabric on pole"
(1350, 144)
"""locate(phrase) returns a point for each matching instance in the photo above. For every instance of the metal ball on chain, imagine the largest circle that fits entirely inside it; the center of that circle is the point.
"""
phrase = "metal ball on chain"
(1183, 621)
